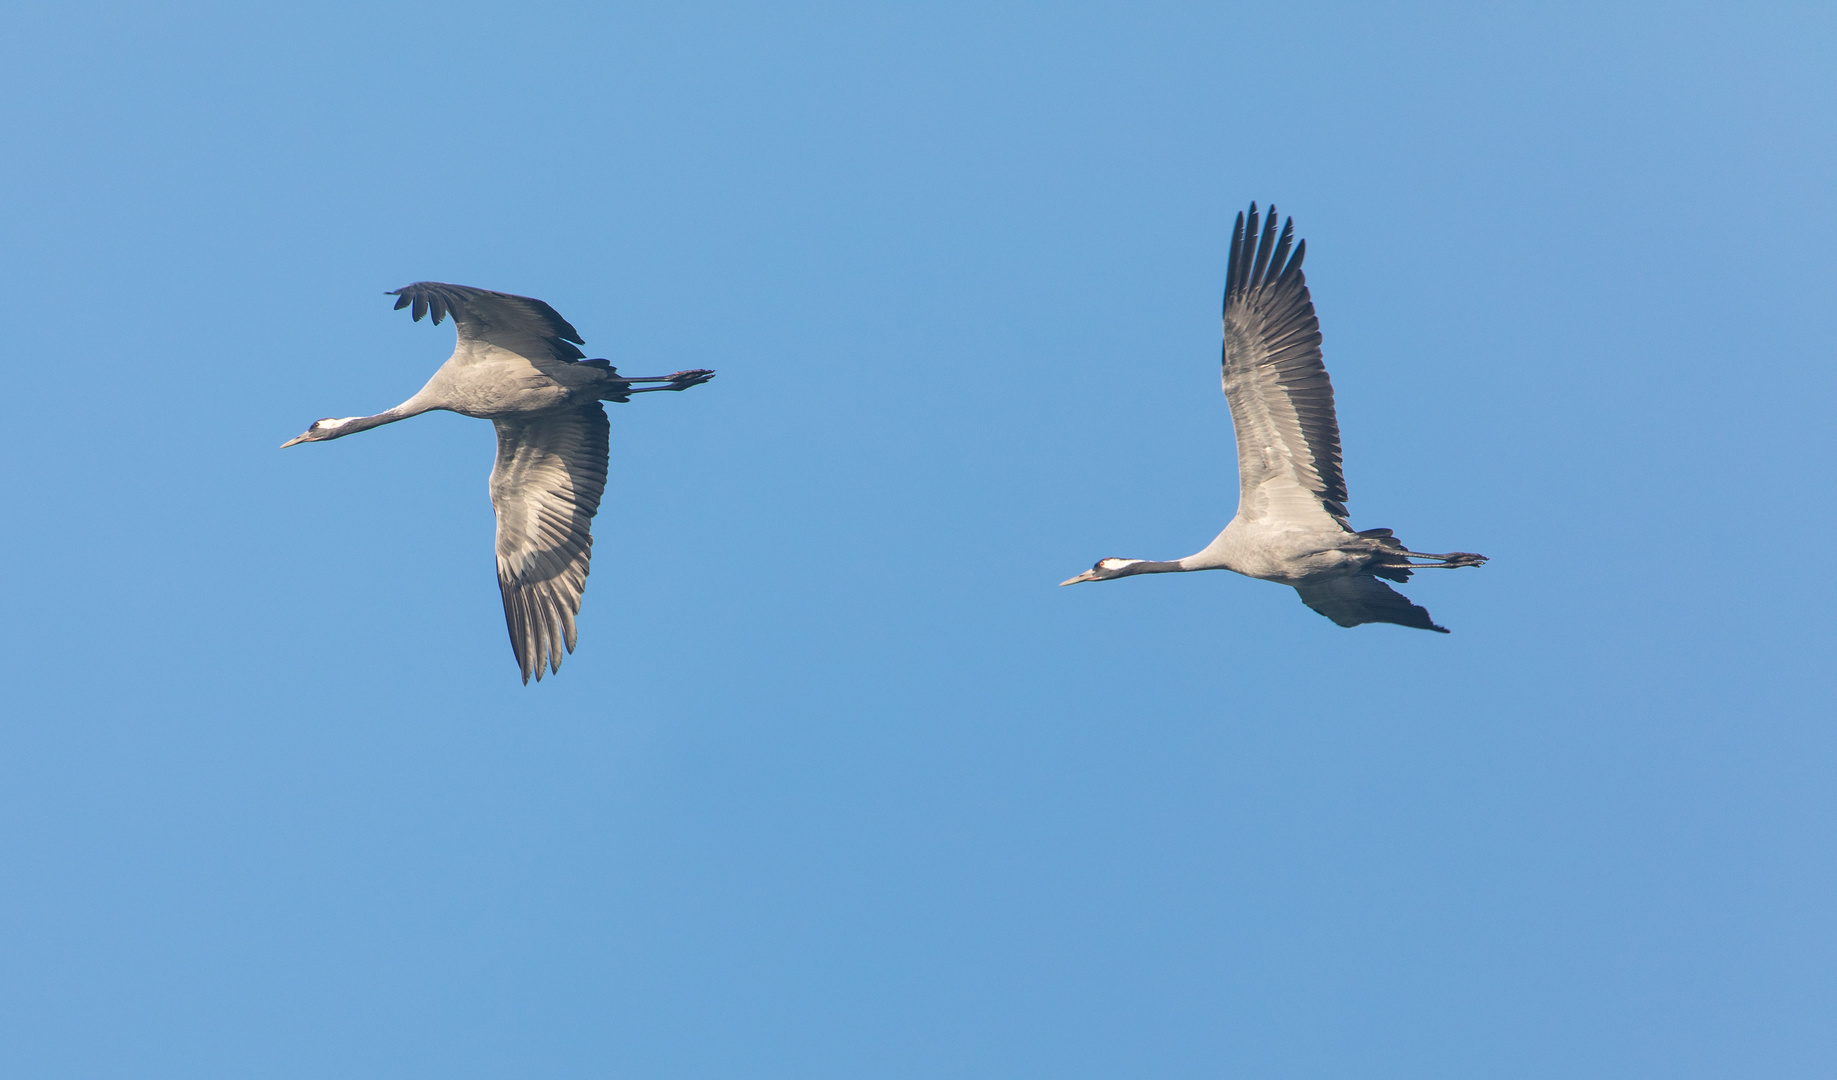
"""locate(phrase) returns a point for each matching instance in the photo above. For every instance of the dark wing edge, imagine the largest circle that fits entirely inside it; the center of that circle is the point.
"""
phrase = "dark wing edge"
(546, 488)
(1362, 598)
(478, 311)
(1267, 301)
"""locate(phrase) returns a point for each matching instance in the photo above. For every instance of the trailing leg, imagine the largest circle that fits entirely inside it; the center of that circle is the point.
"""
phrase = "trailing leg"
(622, 390)
(682, 380)
(690, 378)
(1452, 560)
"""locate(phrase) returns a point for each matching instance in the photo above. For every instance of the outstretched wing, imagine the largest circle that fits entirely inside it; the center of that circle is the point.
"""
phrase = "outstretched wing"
(1288, 458)
(517, 324)
(1350, 601)
(546, 487)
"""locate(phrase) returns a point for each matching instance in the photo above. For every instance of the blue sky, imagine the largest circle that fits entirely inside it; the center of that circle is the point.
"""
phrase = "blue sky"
(838, 783)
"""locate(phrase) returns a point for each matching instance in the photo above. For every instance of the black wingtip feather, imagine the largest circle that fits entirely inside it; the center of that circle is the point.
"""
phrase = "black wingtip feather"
(1265, 245)
(1294, 264)
(1260, 252)
(1237, 245)
(1246, 256)
(1279, 261)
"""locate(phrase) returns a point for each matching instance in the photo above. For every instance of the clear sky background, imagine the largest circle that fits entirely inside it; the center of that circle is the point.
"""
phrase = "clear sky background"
(839, 784)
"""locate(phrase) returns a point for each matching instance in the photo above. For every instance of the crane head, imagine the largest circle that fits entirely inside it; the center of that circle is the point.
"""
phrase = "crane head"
(328, 428)
(1104, 570)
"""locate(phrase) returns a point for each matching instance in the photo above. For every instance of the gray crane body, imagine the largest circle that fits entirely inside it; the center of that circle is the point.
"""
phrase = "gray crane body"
(516, 362)
(490, 383)
(1290, 526)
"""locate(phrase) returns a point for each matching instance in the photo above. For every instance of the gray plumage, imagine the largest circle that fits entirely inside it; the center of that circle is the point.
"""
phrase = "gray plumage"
(517, 363)
(1291, 524)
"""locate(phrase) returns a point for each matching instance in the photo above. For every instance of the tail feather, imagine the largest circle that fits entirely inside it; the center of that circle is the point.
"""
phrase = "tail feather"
(1388, 555)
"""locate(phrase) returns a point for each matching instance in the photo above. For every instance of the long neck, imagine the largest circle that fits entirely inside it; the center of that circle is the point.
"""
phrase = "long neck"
(412, 407)
(1149, 566)
(1220, 554)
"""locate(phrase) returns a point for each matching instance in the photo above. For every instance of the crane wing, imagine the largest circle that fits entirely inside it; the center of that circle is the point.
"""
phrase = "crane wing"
(546, 487)
(1362, 598)
(518, 324)
(1288, 456)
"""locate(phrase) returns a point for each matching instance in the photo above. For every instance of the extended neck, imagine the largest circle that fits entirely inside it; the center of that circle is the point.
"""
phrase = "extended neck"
(1150, 566)
(1113, 568)
(412, 407)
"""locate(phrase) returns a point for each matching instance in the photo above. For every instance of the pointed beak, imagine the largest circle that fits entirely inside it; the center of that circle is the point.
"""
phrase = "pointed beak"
(1088, 575)
(296, 440)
